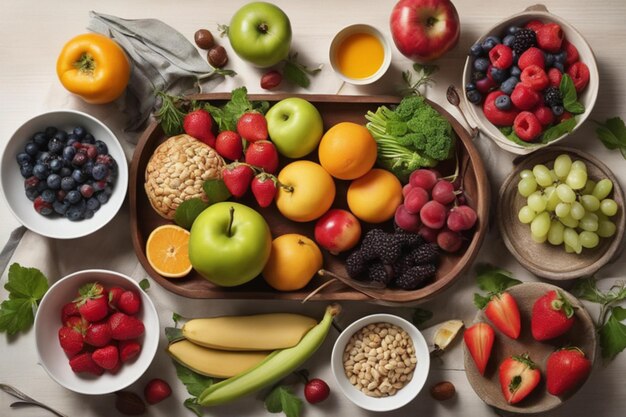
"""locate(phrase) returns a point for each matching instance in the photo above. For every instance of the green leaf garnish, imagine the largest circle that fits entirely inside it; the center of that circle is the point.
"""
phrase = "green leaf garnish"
(173, 334)
(144, 284)
(298, 73)
(424, 72)
(570, 98)
(421, 316)
(216, 190)
(613, 134)
(170, 115)
(613, 334)
(492, 280)
(556, 131)
(192, 404)
(26, 287)
(282, 399)
(187, 212)
(226, 116)
(194, 382)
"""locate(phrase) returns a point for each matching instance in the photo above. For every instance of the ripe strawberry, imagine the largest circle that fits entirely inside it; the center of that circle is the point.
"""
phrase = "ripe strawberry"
(503, 312)
(252, 126)
(316, 390)
(125, 327)
(201, 126)
(566, 369)
(495, 115)
(114, 296)
(501, 56)
(550, 37)
(263, 154)
(552, 316)
(77, 323)
(526, 126)
(524, 97)
(128, 349)
(554, 75)
(580, 75)
(571, 51)
(92, 302)
(264, 189)
(71, 340)
(129, 302)
(156, 391)
(229, 145)
(479, 340)
(535, 77)
(534, 25)
(106, 357)
(98, 334)
(83, 362)
(69, 310)
(237, 178)
(531, 56)
(518, 377)
(271, 80)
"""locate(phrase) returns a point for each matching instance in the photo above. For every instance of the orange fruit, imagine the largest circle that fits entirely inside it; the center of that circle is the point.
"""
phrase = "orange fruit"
(375, 196)
(294, 260)
(167, 251)
(347, 151)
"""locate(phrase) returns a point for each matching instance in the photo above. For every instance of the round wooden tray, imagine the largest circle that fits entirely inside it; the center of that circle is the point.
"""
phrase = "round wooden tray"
(543, 259)
(334, 109)
(582, 335)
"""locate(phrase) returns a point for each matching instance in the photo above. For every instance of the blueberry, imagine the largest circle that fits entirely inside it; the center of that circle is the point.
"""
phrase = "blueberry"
(42, 185)
(26, 170)
(40, 171)
(561, 57)
(516, 72)
(71, 141)
(489, 43)
(508, 40)
(73, 197)
(31, 148)
(88, 168)
(108, 190)
(88, 138)
(557, 110)
(60, 135)
(69, 152)
(498, 74)
(48, 195)
(60, 207)
(476, 50)
(65, 172)
(478, 75)
(55, 146)
(481, 64)
(508, 85)
(88, 214)
(23, 158)
(40, 139)
(31, 183)
(559, 66)
(50, 131)
(474, 96)
(32, 193)
(100, 172)
(79, 132)
(79, 159)
(101, 147)
(503, 102)
(470, 86)
(54, 181)
(74, 213)
(512, 30)
(68, 183)
(548, 59)
(45, 210)
(55, 165)
(102, 197)
(99, 185)
(93, 204)
(79, 176)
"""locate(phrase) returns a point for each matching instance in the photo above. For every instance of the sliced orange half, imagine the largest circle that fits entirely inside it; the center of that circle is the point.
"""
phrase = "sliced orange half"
(167, 251)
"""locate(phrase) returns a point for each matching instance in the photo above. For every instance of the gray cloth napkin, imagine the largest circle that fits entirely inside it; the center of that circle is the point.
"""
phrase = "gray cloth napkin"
(161, 59)
(9, 247)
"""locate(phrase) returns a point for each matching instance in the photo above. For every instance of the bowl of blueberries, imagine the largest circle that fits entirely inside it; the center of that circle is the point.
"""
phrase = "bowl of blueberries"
(530, 81)
(64, 174)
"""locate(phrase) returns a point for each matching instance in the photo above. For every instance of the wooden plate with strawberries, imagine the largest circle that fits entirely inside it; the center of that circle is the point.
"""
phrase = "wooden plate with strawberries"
(333, 109)
(508, 357)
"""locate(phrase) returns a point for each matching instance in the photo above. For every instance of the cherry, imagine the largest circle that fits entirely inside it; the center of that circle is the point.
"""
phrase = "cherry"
(316, 390)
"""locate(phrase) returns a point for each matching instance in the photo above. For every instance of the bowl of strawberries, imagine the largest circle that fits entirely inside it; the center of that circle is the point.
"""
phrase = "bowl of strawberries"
(96, 331)
(530, 81)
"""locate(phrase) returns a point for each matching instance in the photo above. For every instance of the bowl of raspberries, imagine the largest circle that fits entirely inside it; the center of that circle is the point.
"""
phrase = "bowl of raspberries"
(64, 174)
(530, 81)
(96, 331)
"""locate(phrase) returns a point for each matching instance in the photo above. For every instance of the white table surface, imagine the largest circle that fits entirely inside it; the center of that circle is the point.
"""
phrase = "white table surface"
(31, 35)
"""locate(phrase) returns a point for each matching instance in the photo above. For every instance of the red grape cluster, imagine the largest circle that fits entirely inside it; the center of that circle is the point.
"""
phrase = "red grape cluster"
(435, 210)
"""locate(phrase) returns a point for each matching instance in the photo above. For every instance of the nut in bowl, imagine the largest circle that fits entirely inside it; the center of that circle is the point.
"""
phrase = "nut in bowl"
(64, 174)
(381, 362)
(105, 359)
(530, 81)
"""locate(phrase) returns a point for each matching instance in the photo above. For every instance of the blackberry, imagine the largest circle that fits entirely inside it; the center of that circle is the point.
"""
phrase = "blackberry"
(524, 39)
(553, 97)
(378, 272)
(377, 244)
(415, 276)
(405, 238)
(355, 264)
(427, 253)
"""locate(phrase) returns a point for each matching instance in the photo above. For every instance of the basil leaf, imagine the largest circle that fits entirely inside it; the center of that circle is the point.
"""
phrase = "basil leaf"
(187, 212)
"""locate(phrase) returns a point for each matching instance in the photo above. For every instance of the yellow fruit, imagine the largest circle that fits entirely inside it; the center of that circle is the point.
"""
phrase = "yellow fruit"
(256, 332)
(167, 251)
(375, 196)
(294, 260)
(347, 151)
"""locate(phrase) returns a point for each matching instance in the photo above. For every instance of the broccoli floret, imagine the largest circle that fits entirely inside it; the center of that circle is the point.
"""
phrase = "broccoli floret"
(396, 128)
(409, 106)
(434, 133)
(416, 141)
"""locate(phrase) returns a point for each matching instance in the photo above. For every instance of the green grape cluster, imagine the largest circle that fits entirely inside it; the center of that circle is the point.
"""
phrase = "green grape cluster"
(565, 207)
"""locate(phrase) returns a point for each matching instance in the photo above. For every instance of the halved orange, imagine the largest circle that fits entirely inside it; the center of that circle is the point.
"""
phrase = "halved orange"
(167, 251)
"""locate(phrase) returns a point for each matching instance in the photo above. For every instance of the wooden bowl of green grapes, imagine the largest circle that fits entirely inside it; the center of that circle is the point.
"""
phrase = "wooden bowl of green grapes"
(561, 214)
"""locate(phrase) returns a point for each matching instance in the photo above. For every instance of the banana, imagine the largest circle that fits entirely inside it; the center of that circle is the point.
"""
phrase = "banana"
(256, 332)
(213, 362)
(276, 366)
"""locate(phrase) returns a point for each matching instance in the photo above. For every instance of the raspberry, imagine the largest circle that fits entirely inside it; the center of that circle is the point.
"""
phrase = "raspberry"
(496, 116)
(554, 76)
(535, 77)
(524, 39)
(532, 56)
(565, 116)
(571, 51)
(544, 115)
(524, 97)
(552, 97)
(550, 37)
(533, 25)
(501, 56)
(580, 75)
(526, 126)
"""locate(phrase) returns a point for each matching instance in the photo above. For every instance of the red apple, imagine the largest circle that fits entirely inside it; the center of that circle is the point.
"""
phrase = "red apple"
(423, 30)
(337, 231)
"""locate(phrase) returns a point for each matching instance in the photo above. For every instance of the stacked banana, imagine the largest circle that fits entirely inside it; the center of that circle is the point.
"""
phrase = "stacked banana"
(251, 352)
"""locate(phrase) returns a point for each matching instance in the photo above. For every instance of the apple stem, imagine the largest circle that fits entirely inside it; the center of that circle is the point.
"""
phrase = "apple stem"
(430, 22)
(230, 222)
(262, 27)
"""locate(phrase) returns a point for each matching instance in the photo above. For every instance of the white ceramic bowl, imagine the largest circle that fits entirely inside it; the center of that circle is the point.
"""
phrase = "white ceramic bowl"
(402, 396)
(587, 97)
(56, 362)
(341, 36)
(13, 183)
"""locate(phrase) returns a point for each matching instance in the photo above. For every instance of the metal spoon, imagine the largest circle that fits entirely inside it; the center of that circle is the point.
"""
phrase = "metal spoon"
(26, 400)
(453, 98)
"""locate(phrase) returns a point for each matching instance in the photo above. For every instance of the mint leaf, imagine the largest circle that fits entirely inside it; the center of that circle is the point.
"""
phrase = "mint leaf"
(421, 316)
(493, 279)
(556, 131)
(192, 404)
(512, 136)
(26, 282)
(26, 287)
(194, 382)
(216, 190)
(144, 284)
(613, 134)
(613, 334)
(281, 398)
(570, 98)
(187, 212)
(226, 117)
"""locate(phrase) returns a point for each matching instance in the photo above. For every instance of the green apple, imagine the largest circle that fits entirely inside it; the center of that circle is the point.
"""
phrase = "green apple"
(260, 33)
(295, 126)
(229, 244)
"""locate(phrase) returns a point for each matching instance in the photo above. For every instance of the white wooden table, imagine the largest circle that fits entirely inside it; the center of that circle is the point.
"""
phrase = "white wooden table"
(31, 35)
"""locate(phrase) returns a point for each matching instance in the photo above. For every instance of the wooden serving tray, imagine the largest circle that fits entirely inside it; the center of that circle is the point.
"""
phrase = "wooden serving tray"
(334, 109)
